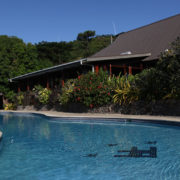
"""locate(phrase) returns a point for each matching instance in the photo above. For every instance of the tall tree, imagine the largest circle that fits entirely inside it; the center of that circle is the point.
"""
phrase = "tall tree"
(56, 52)
(85, 38)
(16, 58)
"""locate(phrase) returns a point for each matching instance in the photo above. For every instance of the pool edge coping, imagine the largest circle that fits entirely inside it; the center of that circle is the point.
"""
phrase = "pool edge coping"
(56, 114)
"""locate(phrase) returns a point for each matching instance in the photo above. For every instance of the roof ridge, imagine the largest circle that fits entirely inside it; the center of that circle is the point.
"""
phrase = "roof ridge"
(150, 24)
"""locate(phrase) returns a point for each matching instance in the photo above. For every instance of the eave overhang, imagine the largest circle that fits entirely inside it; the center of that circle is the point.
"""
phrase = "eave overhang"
(49, 70)
(77, 64)
(121, 57)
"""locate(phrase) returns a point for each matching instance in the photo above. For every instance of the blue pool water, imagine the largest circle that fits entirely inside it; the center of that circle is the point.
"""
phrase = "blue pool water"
(37, 147)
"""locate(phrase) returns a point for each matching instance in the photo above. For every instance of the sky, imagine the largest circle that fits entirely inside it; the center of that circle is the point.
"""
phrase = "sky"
(61, 20)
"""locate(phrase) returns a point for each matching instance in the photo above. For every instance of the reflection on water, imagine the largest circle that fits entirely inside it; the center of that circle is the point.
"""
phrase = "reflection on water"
(25, 126)
(21, 125)
(67, 133)
(44, 130)
(6, 118)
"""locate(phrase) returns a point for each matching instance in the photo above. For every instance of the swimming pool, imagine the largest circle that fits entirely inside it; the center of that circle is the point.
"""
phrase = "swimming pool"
(38, 147)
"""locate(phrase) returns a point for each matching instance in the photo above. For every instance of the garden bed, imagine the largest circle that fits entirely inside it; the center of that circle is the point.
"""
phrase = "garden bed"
(162, 107)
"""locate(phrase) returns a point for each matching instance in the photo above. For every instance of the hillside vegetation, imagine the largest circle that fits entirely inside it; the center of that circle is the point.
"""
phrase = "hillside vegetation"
(61, 52)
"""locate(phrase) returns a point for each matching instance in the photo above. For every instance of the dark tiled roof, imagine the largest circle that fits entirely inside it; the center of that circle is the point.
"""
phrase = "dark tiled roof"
(153, 38)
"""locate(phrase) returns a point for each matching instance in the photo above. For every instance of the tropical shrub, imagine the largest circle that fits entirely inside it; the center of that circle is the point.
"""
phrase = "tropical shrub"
(10, 95)
(42, 94)
(149, 85)
(20, 98)
(169, 68)
(66, 92)
(162, 81)
(9, 106)
(92, 89)
(126, 92)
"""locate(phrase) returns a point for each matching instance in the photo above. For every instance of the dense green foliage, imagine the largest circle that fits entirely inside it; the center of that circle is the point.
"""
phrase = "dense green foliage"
(126, 91)
(90, 89)
(149, 85)
(20, 98)
(163, 81)
(66, 92)
(44, 95)
(17, 57)
(61, 52)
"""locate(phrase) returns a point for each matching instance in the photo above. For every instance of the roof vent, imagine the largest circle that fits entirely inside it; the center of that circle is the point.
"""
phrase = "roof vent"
(126, 53)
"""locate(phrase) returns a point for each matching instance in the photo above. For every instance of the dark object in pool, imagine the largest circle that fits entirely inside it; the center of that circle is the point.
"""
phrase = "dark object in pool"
(151, 142)
(91, 155)
(134, 152)
(112, 145)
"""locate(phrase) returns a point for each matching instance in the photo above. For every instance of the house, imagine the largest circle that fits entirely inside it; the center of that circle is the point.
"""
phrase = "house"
(130, 53)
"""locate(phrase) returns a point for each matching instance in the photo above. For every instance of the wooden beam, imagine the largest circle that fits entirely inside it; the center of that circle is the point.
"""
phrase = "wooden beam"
(97, 69)
(19, 89)
(28, 87)
(110, 70)
(124, 67)
(118, 66)
(62, 83)
(47, 84)
(130, 70)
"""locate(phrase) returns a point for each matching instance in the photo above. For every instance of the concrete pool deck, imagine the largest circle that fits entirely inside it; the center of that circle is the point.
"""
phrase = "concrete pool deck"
(105, 115)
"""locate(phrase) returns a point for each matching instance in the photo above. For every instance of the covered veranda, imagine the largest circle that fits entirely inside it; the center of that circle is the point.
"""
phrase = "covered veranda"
(54, 77)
